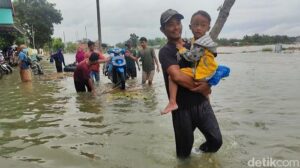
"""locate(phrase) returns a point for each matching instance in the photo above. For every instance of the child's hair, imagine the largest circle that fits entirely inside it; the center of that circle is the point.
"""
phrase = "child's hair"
(202, 13)
(94, 57)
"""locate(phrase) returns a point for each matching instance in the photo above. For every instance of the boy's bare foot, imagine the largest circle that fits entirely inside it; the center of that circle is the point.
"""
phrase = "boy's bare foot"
(170, 107)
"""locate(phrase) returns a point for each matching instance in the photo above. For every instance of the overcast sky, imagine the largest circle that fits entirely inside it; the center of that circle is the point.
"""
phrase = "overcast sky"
(119, 18)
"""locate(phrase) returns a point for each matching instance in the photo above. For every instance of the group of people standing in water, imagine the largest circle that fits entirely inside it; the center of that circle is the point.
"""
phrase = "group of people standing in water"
(88, 68)
(189, 70)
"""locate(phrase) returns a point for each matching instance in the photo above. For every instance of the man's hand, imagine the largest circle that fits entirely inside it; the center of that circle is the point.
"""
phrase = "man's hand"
(107, 59)
(127, 53)
(157, 69)
(202, 87)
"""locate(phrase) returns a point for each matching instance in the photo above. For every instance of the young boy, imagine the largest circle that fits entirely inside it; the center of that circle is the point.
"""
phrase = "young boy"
(82, 77)
(202, 52)
(95, 69)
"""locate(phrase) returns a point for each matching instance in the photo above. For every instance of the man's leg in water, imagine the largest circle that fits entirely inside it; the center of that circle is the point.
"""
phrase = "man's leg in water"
(150, 76)
(92, 75)
(207, 123)
(79, 86)
(133, 72)
(172, 105)
(144, 77)
(97, 76)
(184, 132)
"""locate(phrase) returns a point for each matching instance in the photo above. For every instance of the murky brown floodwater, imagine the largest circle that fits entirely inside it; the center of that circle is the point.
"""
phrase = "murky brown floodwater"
(46, 124)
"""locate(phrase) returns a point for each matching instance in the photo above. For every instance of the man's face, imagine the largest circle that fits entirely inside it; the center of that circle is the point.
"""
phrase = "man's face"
(92, 47)
(172, 29)
(143, 44)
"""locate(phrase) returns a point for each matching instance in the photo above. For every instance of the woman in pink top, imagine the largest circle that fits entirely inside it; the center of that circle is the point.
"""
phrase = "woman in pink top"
(79, 55)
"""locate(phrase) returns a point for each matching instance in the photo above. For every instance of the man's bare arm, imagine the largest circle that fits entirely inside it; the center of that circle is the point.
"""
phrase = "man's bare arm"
(182, 79)
(156, 62)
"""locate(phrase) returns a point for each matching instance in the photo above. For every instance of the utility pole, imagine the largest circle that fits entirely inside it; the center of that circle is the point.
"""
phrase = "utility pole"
(99, 24)
(64, 37)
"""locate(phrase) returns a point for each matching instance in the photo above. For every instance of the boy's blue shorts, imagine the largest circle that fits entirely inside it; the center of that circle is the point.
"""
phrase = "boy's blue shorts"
(221, 72)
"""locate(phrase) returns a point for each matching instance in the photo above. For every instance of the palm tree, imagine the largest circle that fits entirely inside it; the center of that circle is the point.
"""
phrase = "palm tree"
(223, 14)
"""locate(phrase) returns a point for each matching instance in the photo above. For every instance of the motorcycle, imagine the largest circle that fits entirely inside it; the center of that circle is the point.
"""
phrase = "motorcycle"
(70, 67)
(5, 67)
(115, 69)
(1, 73)
(35, 65)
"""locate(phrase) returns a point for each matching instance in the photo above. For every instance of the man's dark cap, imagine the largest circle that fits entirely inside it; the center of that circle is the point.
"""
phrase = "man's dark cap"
(168, 14)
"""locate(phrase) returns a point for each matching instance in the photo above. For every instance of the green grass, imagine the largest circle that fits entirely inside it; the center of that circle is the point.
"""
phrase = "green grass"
(267, 49)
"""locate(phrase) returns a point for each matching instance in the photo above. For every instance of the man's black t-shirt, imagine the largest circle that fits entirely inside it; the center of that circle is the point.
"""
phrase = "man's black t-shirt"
(168, 57)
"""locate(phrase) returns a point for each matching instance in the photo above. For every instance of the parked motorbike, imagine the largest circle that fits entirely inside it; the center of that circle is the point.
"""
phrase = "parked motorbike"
(1, 73)
(5, 67)
(115, 69)
(70, 67)
(36, 67)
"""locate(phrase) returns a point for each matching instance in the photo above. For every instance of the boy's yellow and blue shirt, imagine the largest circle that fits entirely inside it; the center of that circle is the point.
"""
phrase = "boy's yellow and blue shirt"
(206, 66)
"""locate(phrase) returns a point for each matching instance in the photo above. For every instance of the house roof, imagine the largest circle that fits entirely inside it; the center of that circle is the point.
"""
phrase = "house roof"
(11, 28)
(6, 16)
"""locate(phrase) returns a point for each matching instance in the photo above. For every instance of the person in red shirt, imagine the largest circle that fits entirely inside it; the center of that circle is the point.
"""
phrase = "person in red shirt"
(82, 77)
(79, 55)
(95, 69)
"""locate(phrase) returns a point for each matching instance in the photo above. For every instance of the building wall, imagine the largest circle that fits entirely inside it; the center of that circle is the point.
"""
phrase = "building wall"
(6, 4)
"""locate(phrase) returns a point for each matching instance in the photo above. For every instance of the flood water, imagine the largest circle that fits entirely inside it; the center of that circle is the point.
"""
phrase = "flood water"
(47, 124)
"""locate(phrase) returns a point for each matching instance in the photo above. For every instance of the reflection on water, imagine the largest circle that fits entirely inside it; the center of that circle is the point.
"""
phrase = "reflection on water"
(46, 124)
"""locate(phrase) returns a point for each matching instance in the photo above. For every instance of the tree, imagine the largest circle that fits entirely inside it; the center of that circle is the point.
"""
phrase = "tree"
(157, 42)
(134, 40)
(57, 44)
(120, 45)
(6, 39)
(223, 14)
(71, 47)
(37, 18)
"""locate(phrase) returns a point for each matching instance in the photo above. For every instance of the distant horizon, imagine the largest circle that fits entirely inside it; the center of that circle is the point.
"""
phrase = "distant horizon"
(268, 17)
(297, 36)
(184, 37)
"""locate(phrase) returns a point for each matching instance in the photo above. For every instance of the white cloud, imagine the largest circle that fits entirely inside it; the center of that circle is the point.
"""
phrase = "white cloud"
(119, 18)
(284, 29)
